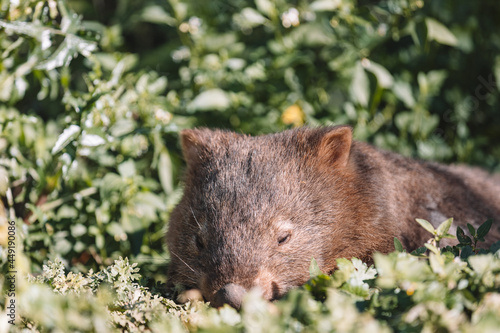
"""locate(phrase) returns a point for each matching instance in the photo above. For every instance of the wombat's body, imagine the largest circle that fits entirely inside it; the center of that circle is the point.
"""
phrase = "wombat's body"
(257, 209)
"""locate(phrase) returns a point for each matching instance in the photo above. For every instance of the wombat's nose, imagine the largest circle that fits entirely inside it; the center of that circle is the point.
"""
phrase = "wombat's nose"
(231, 294)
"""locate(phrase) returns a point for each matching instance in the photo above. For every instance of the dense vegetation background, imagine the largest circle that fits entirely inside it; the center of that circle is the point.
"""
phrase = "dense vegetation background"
(94, 93)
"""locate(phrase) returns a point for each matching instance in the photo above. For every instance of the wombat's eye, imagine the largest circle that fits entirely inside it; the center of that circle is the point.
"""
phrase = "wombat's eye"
(199, 242)
(284, 237)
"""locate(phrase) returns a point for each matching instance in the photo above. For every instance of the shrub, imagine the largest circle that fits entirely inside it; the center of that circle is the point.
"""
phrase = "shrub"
(93, 94)
(404, 293)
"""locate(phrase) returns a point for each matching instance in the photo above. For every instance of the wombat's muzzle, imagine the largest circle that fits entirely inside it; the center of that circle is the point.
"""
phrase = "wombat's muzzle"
(231, 294)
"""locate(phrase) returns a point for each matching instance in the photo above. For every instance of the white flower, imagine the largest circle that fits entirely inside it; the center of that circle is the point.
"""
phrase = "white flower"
(163, 116)
(180, 54)
(290, 18)
(192, 26)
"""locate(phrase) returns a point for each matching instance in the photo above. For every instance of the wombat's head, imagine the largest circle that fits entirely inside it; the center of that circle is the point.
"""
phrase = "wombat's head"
(256, 210)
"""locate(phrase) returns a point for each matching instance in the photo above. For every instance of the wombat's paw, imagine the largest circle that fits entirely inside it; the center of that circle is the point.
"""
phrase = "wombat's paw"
(190, 295)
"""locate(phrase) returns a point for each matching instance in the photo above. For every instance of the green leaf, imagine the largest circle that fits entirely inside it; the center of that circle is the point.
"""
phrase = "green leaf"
(398, 246)
(266, 7)
(213, 99)
(426, 225)
(252, 17)
(432, 248)
(360, 88)
(484, 264)
(438, 32)
(4, 181)
(450, 236)
(62, 246)
(156, 14)
(419, 252)
(495, 247)
(431, 83)
(324, 5)
(150, 200)
(122, 127)
(403, 92)
(67, 212)
(436, 261)
(111, 182)
(444, 227)
(466, 252)
(91, 140)
(472, 231)
(314, 269)
(131, 223)
(99, 241)
(67, 136)
(404, 121)
(78, 230)
(127, 169)
(496, 71)
(64, 54)
(24, 28)
(165, 172)
(484, 228)
(384, 78)
(311, 35)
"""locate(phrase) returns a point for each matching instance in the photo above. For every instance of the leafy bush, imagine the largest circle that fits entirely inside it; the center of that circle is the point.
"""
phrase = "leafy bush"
(93, 94)
(402, 293)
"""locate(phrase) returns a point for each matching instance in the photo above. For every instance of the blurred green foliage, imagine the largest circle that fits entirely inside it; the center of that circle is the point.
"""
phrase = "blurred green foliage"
(93, 94)
(402, 293)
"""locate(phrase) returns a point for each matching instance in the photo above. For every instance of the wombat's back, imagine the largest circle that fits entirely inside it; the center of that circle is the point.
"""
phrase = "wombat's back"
(435, 192)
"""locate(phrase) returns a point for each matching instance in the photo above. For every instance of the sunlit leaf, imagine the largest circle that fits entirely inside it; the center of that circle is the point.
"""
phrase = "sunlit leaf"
(404, 92)
(127, 169)
(253, 17)
(68, 135)
(64, 54)
(266, 7)
(91, 140)
(432, 248)
(384, 78)
(438, 32)
(214, 99)
(444, 227)
(24, 28)
(426, 225)
(314, 269)
(359, 88)
(156, 14)
(325, 5)
(165, 172)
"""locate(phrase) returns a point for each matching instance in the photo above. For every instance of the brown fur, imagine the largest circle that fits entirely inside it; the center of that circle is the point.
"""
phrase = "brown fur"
(256, 209)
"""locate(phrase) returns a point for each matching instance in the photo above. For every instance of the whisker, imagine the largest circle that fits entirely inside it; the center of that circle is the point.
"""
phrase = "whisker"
(199, 225)
(183, 262)
(214, 210)
(189, 278)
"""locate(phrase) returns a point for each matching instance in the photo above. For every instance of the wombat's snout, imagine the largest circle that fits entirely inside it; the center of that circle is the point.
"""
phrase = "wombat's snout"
(231, 294)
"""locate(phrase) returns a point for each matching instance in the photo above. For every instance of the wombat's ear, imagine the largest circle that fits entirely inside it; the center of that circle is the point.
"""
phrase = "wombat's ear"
(335, 146)
(193, 145)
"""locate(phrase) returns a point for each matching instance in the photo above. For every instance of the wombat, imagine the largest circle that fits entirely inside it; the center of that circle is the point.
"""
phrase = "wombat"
(256, 210)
